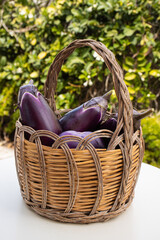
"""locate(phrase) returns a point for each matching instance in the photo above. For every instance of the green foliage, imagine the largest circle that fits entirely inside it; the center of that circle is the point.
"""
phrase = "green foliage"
(33, 32)
(151, 134)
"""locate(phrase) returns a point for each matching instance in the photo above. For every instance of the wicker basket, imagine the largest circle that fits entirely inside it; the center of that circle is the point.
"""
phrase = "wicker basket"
(85, 184)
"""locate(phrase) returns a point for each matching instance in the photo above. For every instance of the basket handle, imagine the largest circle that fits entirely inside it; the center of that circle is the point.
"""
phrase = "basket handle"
(125, 109)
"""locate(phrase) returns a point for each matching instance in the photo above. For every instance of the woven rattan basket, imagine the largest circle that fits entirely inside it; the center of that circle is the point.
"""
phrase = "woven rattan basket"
(85, 184)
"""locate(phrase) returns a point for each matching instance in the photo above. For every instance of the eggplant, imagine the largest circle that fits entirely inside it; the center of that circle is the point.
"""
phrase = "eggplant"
(36, 113)
(97, 143)
(137, 116)
(111, 122)
(26, 88)
(87, 116)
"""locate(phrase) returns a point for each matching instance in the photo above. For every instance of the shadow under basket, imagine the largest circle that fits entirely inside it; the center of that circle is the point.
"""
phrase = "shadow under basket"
(82, 185)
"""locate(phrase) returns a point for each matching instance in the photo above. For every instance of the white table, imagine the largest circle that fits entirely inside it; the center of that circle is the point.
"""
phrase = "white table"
(141, 221)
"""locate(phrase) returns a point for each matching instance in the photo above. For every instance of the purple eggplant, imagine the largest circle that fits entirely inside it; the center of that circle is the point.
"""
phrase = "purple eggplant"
(86, 116)
(26, 88)
(36, 113)
(137, 116)
(97, 143)
(111, 122)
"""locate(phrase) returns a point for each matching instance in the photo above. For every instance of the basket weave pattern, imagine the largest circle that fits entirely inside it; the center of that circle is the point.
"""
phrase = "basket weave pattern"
(85, 184)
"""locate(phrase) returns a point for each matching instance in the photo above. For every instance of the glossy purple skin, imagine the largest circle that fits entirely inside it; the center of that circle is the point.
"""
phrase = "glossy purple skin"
(36, 113)
(81, 119)
(26, 88)
(97, 143)
(109, 124)
(87, 116)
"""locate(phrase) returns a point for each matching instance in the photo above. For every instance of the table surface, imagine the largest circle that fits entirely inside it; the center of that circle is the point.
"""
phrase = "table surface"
(140, 221)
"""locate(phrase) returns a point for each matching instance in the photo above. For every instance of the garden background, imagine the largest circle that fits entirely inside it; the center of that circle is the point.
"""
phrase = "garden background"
(32, 32)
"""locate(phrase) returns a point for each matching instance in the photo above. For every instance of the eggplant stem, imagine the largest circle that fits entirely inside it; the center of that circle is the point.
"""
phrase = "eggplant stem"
(107, 95)
(141, 115)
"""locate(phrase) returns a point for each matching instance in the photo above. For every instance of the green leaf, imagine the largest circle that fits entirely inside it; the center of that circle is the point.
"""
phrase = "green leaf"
(57, 22)
(75, 12)
(2, 41)
(156, 54)
(141, 57)
(82, 76)
(21, 43)
(112, 33)
(16, 77)
(69, 18)
(131, 90)
(42, 55)
(88, 66)
(74, 60)
(43, 79)
(142, 63)
(130, 76)
(60, 85)
(33, 41)
(126, 67)
(128, 31)
(3, 75)
(155, 73)
(34, 74)
(129, 61)
(120, 36)
(93, 23)
(3, 60)
(143, 50)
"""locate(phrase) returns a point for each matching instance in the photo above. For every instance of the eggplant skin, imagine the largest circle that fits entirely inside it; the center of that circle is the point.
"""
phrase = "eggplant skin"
(26, 88)
(87, 116)
(109, 124)
(97, 143)
(36, 113)
(81, 119)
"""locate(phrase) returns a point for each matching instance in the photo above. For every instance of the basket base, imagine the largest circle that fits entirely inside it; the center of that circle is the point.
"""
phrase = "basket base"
(79, 217)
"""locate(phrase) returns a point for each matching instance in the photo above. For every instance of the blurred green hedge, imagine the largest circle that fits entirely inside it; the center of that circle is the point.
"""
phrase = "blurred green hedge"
(151, 134)
(33, 32)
